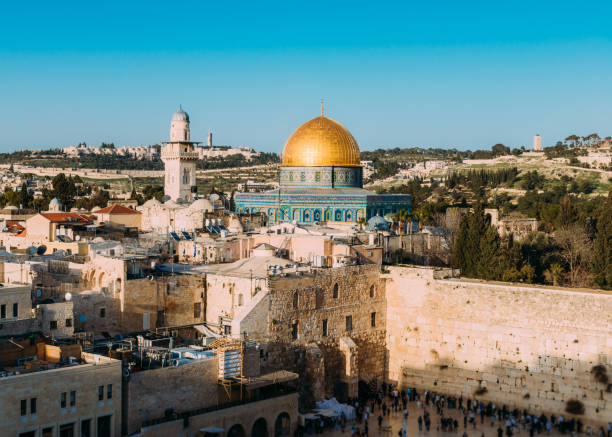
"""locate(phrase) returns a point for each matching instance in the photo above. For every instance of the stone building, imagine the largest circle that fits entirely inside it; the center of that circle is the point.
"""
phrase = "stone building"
(331, 320)
(63, 392)
(117, 215)
(16, 315)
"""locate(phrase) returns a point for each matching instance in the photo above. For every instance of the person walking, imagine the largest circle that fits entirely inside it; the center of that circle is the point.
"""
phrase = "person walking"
(420, 421)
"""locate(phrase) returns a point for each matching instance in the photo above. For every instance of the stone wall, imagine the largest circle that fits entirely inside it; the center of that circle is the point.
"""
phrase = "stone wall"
(300, 305)
(268, 413)
(182, 388)
(530, 346)
(168, 301)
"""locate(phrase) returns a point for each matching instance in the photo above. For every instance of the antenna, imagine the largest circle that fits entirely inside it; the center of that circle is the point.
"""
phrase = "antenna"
(322, 109)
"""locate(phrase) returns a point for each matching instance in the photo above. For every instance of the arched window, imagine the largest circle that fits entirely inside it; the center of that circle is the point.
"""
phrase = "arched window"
(372, 291)
(335, 295)
(295, 300)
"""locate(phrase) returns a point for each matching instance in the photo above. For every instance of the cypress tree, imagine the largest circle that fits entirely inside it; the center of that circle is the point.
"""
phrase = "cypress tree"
(601, 257)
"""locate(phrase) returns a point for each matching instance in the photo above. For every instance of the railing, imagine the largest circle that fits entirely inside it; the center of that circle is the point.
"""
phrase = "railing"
(184, 415)
(192, 155)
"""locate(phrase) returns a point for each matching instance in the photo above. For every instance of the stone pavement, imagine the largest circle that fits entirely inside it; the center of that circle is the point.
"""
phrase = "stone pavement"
(412, 428)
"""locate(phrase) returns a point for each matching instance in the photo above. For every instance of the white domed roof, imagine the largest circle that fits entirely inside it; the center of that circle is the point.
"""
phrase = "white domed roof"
(55, 201)
(180, 115)
(202, 204)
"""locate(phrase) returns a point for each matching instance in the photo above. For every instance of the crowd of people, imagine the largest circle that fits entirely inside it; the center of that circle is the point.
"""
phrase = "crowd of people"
(390, 401)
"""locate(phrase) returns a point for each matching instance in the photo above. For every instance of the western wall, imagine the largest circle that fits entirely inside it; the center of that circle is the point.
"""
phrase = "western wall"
(529, 347)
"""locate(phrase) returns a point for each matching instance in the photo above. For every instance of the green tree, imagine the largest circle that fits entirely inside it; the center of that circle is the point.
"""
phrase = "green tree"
(477, 250)
(601, 258)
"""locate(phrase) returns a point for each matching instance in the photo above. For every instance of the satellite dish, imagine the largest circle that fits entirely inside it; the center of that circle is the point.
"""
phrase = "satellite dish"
(31, 250)
(41, 250)
(77, 238)
(68, 297)
(213, 197)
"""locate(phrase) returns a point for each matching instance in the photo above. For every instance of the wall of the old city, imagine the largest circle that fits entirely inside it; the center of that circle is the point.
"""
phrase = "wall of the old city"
(530, 346)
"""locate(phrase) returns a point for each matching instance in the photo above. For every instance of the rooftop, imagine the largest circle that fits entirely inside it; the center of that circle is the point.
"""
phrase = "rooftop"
(116, 209)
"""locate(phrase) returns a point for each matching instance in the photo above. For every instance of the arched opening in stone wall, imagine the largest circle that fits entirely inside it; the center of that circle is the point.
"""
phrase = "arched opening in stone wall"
(295, 299)
(335, 294)
(260, 428)
(372, 291)
(100, 280)
(282, 425)
(236, 431)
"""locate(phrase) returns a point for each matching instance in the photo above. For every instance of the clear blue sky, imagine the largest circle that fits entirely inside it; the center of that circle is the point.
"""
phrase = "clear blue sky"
(456, 73)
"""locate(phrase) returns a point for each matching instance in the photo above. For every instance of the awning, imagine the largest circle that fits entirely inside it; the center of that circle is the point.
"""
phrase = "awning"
(204, 330)
(212, 430)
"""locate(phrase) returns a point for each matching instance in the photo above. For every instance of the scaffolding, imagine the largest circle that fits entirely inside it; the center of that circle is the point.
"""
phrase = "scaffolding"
(230, 364)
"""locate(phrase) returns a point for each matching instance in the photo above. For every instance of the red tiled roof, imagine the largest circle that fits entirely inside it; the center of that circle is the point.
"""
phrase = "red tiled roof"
(66, 217)
(116, 209)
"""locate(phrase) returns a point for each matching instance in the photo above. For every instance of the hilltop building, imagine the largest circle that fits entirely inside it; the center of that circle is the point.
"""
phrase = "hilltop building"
(537, 143)
(321, 179)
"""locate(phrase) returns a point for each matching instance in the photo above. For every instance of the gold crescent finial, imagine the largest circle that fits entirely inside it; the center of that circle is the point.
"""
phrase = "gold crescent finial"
(322, 101)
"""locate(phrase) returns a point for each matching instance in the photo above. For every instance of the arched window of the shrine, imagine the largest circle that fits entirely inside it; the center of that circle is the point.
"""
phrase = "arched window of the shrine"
(335, 295)
(372, 291)
(295, 300)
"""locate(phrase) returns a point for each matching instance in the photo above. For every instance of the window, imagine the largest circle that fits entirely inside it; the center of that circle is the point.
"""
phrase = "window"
(240, 300)
(335, 295)
(72, 398)
(294, 331)
(227, 329)
(349, 323)
(15, 309)
(63, 400)
(295, 300)
(24, 407)
(101, 393)
(68, 323)
(86, 428)
(371, 291)
(33, 406)
(324, 333)
(373, 320)
(53, 325)
(319, 298)
(2, 311)
(197, 309)
(102, 312)
(109, 391)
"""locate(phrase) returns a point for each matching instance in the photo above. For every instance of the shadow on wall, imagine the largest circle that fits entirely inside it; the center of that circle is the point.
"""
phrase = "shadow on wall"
(547, 386)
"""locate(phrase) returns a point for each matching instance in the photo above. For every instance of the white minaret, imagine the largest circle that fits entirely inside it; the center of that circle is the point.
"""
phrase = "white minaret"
(209, 140)
(180, 159)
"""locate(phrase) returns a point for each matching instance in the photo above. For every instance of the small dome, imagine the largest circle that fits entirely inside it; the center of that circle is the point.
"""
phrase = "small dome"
(202, 204)
(55, 201)
(180, 115)
(377, 223)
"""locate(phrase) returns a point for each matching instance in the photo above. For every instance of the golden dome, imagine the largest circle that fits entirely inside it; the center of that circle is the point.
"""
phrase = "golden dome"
(321, 142)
